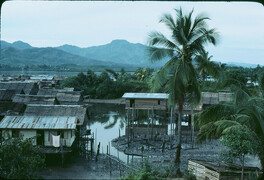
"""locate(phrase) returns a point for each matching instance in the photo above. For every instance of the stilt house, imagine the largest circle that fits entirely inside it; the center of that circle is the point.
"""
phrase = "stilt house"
(40, 128)
(156, 101)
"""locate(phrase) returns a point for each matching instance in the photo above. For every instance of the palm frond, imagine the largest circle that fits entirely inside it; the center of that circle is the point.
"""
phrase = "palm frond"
(216, 112)
(169, 21)
(223, 125)
(207, 131)
(158, 54)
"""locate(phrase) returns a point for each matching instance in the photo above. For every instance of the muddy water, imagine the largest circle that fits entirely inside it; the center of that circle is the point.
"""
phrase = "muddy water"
(107, 122)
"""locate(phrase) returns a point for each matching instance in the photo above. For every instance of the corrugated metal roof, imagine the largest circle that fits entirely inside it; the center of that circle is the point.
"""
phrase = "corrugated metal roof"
(38, 122)
(145, 96)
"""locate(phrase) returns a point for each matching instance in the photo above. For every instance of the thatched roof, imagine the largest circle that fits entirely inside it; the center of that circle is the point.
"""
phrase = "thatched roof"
(69, 97)
(27, 87)
(35, 99)
(64, 96)
(48, 91)
(9, 107)
(58, 110)
(8, 94)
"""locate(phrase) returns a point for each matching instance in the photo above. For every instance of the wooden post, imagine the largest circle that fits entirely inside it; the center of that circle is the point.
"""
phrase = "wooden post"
(97, 154)
(128, 128)
(148, 124)
(192, 126)
(152, 123)
(110, 161)
(133, 116)
(107, 150)
(62, 155)
(171, 122)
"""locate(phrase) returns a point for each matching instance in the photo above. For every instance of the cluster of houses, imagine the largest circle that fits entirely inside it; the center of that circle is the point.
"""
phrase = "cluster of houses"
(36, 108)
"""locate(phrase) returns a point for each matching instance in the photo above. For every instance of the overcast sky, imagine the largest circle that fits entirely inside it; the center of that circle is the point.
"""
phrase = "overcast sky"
(85, 24)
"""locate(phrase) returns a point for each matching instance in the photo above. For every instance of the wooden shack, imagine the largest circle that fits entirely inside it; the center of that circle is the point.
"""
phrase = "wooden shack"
(216, 97)
(69, 97)
(66, 96)
(206, 170)
(26, 87)
(155, 101)
(40, 129)
(7, 106)
(9, 94)
(35, 99)
(81, 112)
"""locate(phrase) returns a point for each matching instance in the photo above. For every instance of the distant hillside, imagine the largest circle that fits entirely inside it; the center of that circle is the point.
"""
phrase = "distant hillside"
(17, 45)
(48, 56)
(119, 51)
(245, 65)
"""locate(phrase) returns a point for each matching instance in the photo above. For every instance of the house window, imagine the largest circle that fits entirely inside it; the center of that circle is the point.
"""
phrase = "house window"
(15, 133)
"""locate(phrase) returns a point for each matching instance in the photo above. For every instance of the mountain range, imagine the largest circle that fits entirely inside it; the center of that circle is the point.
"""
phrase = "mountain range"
(118, 53)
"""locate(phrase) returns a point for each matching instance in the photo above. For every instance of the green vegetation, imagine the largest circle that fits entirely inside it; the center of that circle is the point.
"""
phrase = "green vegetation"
(240, 142)
(147, 172)
(19, 159)
(225, 119)
(188, 37)
(109, 84)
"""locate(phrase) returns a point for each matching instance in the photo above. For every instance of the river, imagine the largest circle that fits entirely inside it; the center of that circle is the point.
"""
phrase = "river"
(107, 122)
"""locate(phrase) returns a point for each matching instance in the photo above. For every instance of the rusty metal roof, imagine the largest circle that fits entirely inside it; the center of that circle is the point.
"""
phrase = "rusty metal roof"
(145, 96)
(38, 122)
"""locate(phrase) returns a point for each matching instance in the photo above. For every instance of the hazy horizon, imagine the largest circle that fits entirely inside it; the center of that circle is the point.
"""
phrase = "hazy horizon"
(86, 24)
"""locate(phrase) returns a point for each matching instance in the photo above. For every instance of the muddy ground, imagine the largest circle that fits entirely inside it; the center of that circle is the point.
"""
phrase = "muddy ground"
(78, 167)
(160, 151)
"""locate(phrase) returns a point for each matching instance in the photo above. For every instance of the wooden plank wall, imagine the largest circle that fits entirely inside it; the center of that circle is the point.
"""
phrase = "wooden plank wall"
(148, 104)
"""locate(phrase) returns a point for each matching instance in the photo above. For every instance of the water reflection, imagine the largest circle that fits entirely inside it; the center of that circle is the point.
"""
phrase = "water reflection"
(107, 122)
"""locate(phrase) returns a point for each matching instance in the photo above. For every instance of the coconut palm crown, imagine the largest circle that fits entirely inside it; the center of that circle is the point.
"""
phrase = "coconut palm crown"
(178, 76)
(188, 37)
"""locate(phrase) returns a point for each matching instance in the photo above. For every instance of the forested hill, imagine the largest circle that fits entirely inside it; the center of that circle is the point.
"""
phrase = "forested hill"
(17, 45)
(48, 56)
(120, 51)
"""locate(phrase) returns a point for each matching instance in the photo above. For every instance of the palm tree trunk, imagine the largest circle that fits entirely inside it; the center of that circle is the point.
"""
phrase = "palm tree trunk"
(243, 164)
(178, 148)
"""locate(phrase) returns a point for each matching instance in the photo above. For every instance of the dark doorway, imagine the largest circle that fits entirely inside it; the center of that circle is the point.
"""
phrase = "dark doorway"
(132, 102)
(40, 137)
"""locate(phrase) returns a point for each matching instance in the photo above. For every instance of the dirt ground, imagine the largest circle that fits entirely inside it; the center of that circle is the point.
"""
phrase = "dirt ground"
(81, 168)
(161, 150)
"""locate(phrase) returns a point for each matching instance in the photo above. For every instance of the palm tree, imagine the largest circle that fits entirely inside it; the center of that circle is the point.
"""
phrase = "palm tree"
(188, 37)
(205, 66)
(223, 118)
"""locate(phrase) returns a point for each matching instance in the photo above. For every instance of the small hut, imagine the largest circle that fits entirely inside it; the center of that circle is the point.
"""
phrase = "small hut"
(26, 87)
(9, 94)
(216, 97)
(218, 170)
(156, 101)
(35, 99)
(41, 129)
(69, 97)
